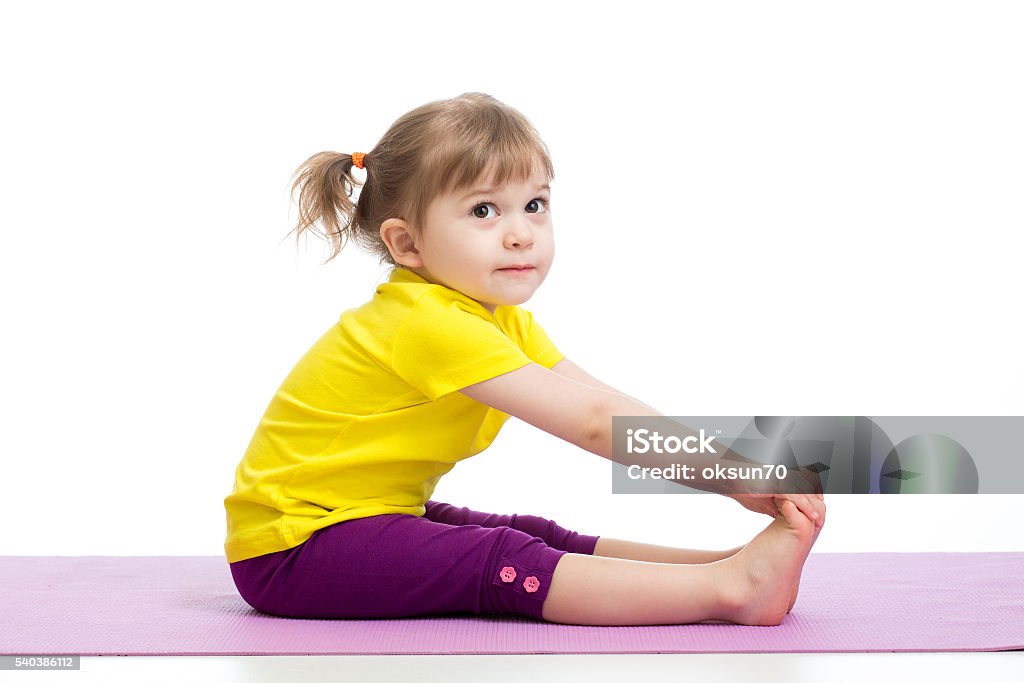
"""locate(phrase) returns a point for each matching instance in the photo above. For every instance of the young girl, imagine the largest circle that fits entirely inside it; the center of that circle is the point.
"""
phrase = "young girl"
(330, 515)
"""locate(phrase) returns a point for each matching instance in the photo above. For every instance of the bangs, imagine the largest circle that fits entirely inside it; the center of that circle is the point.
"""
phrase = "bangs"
(479, 145)
(493, 162)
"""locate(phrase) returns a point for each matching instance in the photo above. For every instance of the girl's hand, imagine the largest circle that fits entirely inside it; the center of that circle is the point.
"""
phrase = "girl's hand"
(812, 505)
(809, 500)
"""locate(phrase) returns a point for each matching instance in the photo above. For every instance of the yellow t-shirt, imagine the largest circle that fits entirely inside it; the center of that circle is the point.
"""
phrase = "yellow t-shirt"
(370, 418)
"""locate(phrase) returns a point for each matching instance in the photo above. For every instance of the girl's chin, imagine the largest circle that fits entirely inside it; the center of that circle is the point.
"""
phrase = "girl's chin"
(513, 300)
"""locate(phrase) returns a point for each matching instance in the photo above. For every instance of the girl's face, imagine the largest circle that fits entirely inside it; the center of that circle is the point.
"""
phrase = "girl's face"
(473, 239)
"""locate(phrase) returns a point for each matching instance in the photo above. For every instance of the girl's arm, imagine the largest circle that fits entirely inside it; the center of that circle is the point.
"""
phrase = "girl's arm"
(572, 371)
(569, 369)
(573, 411)
(561, 406)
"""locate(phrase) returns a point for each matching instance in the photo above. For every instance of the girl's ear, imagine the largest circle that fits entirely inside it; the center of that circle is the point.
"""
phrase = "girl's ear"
(398, 236)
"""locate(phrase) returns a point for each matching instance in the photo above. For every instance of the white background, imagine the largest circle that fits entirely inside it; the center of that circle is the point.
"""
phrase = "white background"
(760, 208)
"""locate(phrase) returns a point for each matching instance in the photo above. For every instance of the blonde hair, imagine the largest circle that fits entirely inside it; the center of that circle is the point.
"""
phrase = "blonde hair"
(441, 146)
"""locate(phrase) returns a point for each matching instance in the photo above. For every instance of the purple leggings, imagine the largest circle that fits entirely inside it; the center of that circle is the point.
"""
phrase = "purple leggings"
(452, 560)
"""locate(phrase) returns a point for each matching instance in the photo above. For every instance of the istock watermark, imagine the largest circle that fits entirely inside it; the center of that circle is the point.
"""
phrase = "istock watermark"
(647, 440)
(822, 454)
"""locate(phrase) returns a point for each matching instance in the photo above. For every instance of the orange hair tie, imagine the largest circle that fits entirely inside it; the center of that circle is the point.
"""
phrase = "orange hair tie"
(357, 159)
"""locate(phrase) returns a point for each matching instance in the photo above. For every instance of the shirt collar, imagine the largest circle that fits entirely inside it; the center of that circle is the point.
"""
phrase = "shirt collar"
(400, 274)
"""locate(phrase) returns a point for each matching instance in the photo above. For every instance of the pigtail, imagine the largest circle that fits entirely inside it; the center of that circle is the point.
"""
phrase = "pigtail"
(326, 187)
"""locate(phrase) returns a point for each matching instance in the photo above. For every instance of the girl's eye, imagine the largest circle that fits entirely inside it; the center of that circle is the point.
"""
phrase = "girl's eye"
(476, 210)
(538, 204)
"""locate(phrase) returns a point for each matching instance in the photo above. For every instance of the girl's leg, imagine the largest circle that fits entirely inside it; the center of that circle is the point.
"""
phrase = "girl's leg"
(545, 529)
(754, 586)
(607, 591)
(565, 539)
(646, 552)
(558, 537)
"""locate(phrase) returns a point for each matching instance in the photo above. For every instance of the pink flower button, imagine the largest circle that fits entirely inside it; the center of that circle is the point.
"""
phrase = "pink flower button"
(531, 584)
(508, 574)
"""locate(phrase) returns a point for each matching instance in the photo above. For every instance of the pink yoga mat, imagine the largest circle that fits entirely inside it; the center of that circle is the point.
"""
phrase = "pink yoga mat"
(849, 602)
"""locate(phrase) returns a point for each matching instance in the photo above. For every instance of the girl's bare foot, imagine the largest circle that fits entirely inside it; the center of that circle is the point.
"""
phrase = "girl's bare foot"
(766, 572)
(796, 587)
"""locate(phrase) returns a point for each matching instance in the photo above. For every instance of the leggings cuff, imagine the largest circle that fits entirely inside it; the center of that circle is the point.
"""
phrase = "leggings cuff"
(583, 544)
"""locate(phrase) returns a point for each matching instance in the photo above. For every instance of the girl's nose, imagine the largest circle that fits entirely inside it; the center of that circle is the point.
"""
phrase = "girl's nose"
(519, 235)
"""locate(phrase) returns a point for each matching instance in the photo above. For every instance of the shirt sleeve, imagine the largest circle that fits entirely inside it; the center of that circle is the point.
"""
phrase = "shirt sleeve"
(539, 347)
(448, 342)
